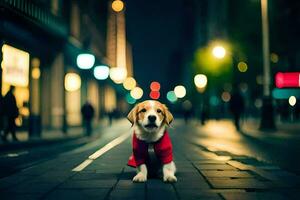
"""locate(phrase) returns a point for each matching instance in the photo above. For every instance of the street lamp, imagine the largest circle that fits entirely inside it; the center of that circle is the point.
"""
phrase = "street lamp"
(200, 81)
(219, 52)
(117, 5)
(129, 83)
(137, 93)
(101, 72)
(118, 74)
(85, 61)
(180, 91)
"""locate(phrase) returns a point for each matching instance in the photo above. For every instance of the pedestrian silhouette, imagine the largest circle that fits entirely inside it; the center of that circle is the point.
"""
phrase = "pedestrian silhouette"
(87, 112)
(187, 110)
(10, 113)
(236, 106)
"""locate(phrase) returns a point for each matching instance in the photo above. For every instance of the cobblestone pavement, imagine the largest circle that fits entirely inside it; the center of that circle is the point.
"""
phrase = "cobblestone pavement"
(202, 174)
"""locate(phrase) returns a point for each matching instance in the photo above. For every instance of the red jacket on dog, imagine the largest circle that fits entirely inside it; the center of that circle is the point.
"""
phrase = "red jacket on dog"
(162, 149)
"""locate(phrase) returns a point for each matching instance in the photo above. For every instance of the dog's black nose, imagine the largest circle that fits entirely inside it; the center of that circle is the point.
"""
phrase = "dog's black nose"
(152, 118)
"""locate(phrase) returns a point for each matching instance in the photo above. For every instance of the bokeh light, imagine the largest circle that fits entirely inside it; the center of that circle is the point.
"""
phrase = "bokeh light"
(219, 52)
(259, 79)
(274, 58)
(180, 91)
(154, 95)
(258, 103)
(214, 101)
(292, 100)
(72, 82)
(242, 67)
(36, 73)
(117, 5)
(200, 80)
(85, 61)
(171, 96)
(129, 83)
(226, 96)
(155, 86)
(101, 72)
(136, 93)
(130, 99)
(118, 74)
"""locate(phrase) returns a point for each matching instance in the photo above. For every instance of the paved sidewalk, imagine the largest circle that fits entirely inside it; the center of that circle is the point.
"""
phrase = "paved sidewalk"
(201, 174)
(48, 136)
(285, 132)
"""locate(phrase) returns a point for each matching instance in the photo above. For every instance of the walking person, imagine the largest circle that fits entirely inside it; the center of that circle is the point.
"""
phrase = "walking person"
(10, 113)
(87, 112)
(237, 107)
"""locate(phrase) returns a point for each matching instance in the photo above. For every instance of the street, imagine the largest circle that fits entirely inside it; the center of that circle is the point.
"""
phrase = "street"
(213, 162)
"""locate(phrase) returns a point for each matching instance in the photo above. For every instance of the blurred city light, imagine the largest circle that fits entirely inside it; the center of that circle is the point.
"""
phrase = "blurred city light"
(259, 79)
(219, 52)
(101, 72)
(154, 95)
(130, 99)
(285, 93)
(258, 103)
(292, 100)
(72, 82)
(226, 96)
(274, 58)
(117, 5)
(242, 67)
(15, 66)
(155, 86)
(289, 79)
(36, 73)
(136, 93)
(129, 83)
(85, 61)
(118, 74)
(171, 96)
(200, 81)
(244, 87)
(214, 101)
(180, 91)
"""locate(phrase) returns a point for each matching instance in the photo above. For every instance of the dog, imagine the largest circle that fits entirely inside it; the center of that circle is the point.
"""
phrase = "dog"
(150, 120)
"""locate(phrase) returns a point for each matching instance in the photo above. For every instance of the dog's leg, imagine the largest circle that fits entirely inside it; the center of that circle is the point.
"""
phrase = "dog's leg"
(141, 174)
(169, 172)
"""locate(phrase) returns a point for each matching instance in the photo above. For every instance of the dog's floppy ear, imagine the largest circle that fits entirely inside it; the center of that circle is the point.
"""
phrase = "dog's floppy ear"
(133, 114)
(168, 115)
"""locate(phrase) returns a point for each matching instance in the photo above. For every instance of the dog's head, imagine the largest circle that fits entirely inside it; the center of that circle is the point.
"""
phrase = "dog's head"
(150, 115)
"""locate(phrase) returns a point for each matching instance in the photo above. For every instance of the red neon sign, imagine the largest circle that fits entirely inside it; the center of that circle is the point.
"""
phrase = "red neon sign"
(289, 79)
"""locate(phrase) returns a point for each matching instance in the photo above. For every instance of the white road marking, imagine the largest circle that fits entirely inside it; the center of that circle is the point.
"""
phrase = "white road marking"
(101, 151)
(83, 165)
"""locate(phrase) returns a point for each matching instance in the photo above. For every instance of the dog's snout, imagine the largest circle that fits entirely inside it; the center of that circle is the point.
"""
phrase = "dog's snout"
(152, 118)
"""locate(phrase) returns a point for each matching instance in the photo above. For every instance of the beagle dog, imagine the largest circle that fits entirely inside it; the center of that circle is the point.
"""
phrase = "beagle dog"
(150, 120)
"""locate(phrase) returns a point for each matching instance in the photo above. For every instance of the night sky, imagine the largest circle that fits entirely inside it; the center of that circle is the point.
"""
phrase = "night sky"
(154, 28)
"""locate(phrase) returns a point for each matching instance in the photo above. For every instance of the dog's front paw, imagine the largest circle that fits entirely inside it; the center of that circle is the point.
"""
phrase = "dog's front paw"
(140, 177)
(170, 178)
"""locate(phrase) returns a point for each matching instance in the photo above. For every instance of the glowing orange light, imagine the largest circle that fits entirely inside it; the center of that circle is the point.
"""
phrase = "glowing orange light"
(154, 95)
(155, 86)
(117, 5)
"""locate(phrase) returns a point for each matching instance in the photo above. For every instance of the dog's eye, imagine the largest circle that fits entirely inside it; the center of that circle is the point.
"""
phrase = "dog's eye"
(158, 110)
(143, 110)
